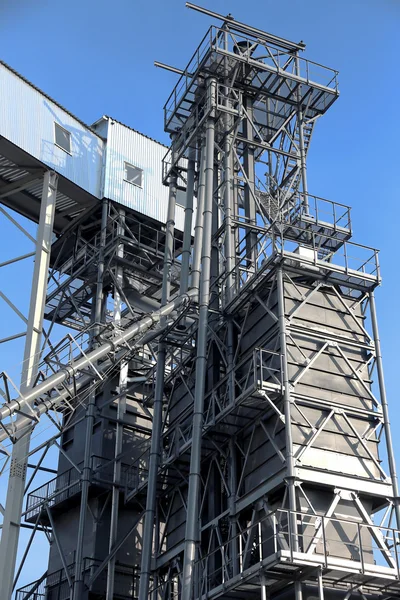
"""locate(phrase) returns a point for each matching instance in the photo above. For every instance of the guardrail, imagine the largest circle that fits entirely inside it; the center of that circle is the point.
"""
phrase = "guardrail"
(54, 586)
(300, 539)
(219, 42)
(319, 211)
(67, 484)
(353, 265)
(261, 369)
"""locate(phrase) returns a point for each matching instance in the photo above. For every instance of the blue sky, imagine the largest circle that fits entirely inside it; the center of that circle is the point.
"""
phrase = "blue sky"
(96, 57)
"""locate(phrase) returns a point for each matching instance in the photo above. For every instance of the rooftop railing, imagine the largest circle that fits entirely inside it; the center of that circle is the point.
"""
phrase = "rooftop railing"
(209, 58)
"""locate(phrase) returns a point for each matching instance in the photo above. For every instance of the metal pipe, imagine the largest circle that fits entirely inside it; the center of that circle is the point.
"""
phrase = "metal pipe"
(302, 149)
(187, 230)
(40, 392)
(19, 457)
(198, 228)
(77, 591)
(119, 430)
(385, 409)
(229, 242)
(192, 520)
(243, 28)
(156, 440)
(320, 584)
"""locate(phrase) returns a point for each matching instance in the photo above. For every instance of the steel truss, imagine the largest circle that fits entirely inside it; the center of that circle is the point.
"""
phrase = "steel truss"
(240, 362)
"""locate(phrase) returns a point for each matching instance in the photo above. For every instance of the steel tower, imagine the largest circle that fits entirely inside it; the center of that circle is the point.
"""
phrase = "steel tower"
(225, 394)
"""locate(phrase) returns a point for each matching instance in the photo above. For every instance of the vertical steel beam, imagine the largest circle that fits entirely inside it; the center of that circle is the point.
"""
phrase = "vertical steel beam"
(155, 446)
(385, 408)
(19, 458)
(192, 520)
(119, 430)
(78, 588)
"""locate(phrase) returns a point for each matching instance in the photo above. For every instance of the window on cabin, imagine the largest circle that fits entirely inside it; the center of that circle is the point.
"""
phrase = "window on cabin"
(133, 175)
(62, 138)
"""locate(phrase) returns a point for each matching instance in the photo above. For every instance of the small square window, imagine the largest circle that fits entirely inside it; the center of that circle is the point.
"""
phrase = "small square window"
(133, 175)
(62, 138)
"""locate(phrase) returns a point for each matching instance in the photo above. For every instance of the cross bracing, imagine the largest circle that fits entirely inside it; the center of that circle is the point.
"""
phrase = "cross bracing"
(224, 384)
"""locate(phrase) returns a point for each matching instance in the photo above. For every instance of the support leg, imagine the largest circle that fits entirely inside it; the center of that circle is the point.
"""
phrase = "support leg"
(19, 459)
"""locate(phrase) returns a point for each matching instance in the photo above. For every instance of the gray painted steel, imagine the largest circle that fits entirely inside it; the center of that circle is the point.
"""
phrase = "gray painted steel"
(222, 438)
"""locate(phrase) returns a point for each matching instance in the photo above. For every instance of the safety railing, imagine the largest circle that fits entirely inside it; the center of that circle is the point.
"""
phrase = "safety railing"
(258, 248)
(262, 369)
(55, 491)
(218, 43)
(55, 585)
(33, 591)
(313, 210)
(67, 484)
(299, 539)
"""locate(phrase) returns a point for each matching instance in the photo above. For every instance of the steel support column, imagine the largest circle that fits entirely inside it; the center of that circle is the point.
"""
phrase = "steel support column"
(192, 520)
(155, 447)
(19, 458)
(119, 430)
(78, 588)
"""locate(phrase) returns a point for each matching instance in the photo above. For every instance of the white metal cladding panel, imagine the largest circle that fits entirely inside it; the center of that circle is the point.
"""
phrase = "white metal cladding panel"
(126, 145)
(27, 119)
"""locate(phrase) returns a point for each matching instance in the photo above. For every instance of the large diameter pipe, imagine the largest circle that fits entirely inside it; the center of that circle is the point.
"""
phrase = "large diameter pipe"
(193, 502)
(58, 379)
(24, 424)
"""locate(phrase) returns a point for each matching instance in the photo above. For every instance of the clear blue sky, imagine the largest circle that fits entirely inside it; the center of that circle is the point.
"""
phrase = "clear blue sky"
(96, 57)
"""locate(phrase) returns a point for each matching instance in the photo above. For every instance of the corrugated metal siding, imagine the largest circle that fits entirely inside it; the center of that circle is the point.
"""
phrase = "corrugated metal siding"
(126, 145)
(27, 119)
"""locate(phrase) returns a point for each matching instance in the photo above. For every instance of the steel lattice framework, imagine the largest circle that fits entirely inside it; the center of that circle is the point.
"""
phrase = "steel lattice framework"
(231, 367)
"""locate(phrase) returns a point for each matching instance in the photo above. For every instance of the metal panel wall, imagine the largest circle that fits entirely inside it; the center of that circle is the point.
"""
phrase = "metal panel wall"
(27, 119)
(126, 145)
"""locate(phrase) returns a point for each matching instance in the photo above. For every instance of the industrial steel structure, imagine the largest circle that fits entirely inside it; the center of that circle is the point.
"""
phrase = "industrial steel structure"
(218, 398)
